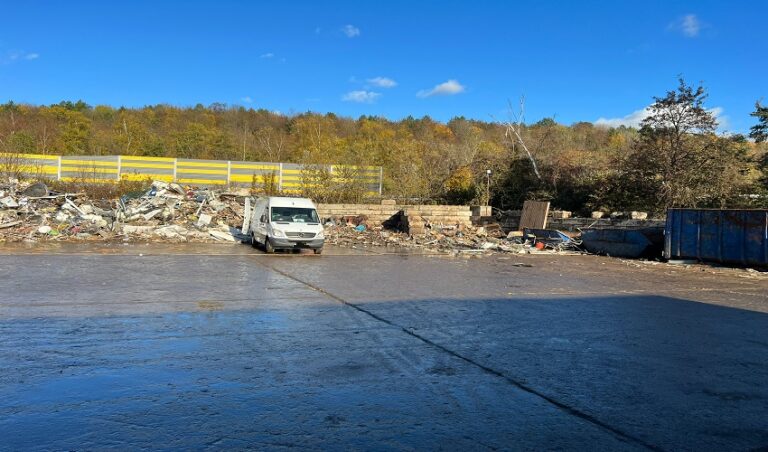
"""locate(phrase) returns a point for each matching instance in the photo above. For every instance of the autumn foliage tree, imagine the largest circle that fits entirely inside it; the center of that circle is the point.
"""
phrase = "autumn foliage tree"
(678, 159)
(675, 159)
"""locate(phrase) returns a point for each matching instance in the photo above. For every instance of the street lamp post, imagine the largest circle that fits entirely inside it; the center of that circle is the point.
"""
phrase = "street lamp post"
(488, 187)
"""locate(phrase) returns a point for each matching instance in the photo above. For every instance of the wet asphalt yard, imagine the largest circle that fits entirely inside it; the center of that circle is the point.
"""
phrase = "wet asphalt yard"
(220, 347)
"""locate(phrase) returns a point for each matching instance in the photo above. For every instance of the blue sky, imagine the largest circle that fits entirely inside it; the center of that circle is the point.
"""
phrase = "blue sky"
(577, 61)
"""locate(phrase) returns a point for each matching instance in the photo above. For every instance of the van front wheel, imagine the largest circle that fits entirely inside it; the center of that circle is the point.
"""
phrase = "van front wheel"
(268, 246)
(318, 250)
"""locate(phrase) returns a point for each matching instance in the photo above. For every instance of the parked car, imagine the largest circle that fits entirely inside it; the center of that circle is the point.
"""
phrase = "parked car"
(281, 223)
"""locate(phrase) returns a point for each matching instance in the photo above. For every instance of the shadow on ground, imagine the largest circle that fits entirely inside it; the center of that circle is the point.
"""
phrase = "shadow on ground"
(619, 372)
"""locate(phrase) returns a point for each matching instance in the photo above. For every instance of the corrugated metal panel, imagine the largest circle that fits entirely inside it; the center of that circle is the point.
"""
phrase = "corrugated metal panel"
(726, 236)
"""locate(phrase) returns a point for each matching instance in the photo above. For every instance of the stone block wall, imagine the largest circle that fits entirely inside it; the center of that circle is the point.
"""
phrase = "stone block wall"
(379, 213)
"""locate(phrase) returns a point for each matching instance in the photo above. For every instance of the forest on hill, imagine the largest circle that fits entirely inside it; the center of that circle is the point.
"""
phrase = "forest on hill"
(675, 158)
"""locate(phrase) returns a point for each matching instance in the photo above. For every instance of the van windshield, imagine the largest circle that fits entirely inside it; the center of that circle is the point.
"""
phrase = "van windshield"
(295, 215)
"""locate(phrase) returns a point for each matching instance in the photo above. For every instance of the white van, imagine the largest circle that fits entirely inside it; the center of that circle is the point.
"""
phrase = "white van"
(280, 223)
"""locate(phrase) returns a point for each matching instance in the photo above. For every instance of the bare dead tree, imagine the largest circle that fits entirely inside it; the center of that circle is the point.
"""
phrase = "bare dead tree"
(128, 135)
(513, 129)
(271, 141)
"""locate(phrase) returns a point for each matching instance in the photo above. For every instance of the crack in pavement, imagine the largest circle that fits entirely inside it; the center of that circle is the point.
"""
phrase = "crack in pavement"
(568, 409)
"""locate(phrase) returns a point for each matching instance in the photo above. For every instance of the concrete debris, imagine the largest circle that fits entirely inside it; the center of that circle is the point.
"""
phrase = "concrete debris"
(8, 203)
(345, 231)
(166, 212)
(204, 220)
(222, 235)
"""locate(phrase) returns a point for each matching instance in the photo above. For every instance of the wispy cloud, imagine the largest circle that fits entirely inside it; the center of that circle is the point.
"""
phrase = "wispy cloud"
(382, 82)
(448, 88)
(631, 120)
(689, 25)
(267, 55)
(636, 117)
(18, 55)
(363, 97)
(247, 99)
(351, 31)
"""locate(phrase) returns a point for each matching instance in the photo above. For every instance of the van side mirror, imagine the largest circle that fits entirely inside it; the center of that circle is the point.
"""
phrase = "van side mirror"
(263, 218)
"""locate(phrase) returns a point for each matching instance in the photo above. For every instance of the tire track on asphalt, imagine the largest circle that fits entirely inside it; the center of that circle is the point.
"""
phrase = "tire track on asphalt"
(562, 406)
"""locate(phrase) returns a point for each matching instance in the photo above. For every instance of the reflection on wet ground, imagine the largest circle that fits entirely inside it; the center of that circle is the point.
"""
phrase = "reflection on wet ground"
(220, 346)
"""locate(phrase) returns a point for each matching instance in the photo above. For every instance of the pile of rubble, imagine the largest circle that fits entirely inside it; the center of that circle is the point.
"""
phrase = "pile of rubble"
(167, 212)
(355, 232)
(172, 212)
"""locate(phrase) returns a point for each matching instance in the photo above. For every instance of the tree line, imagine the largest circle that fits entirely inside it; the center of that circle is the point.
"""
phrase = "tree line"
(675, 158)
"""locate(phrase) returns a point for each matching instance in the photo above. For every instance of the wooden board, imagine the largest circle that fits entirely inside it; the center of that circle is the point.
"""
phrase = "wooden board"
(534, 215)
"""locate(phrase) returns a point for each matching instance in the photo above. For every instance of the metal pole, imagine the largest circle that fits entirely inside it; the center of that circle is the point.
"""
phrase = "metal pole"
(487, 187)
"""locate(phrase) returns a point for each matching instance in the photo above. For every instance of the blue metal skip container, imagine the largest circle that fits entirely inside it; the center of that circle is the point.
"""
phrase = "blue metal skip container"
(725, 236)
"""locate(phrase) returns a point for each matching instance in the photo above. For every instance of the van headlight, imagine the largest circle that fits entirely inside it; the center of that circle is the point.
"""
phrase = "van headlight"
(320, 235)
(278, 233)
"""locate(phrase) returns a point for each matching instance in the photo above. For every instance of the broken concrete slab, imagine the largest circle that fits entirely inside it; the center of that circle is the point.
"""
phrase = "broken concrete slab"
(8, 203)
(204, 220)
(222, 235)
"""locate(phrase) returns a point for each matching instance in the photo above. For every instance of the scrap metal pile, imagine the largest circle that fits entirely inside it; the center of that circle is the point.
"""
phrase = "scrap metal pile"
(167, 212)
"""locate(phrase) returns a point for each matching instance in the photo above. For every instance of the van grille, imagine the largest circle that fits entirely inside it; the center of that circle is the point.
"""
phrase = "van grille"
(302, 235)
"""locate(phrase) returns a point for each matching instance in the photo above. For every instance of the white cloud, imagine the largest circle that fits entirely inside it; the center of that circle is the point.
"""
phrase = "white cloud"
(723, 122)
(382, 82)
(247, 99)
(689, 25)
(267, 55)
(18, 55)
(448, 88)
(631, 120)
(351, 31)
(636, 117)
(366, 97)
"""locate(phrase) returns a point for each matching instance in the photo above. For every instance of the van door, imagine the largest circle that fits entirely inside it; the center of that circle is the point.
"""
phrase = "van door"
(263, 220)
(259, 221)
